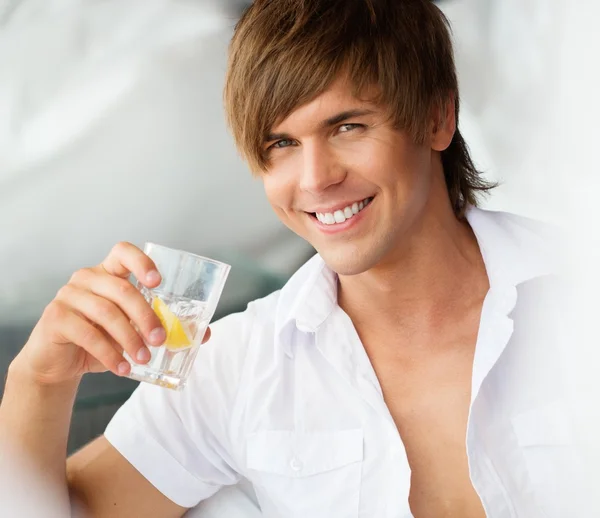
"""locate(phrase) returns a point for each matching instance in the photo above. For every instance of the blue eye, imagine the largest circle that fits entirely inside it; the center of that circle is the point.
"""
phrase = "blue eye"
(283, 143)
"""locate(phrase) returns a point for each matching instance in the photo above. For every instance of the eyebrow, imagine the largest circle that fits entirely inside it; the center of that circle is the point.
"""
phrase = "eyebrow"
(327, 123)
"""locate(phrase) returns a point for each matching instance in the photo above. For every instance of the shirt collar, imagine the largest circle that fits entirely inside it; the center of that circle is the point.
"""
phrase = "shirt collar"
(514, 249)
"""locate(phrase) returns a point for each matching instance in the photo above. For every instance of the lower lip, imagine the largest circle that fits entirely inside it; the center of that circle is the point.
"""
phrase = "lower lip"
(342, 227)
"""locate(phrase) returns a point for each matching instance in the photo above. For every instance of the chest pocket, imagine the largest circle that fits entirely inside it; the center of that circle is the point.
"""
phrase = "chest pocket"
(301, 474)
(547, 444)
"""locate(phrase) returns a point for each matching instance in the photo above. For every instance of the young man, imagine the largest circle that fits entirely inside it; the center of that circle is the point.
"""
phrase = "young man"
(393, 375)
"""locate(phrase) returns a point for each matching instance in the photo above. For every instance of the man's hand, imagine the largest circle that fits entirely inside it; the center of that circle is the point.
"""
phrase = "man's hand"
(93, 319)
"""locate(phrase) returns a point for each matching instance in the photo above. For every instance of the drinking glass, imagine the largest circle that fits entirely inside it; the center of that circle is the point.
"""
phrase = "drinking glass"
(185, 302)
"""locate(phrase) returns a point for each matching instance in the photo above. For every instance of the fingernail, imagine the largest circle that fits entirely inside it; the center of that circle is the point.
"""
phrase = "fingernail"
(123, 368)
(158, 336)
(153, 277)
(143, 355)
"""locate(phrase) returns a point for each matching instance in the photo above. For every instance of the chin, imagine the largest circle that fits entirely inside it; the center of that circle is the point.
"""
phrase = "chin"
(348, 262)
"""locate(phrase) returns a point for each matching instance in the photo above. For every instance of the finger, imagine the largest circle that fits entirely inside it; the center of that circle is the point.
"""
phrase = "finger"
(109, 316)
(95, 365)
(125, 259)
(128, 299)
(116, 346)
(77, 330)
(207, 335)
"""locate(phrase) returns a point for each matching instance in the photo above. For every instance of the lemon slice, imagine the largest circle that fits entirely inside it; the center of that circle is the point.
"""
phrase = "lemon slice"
(177, 338)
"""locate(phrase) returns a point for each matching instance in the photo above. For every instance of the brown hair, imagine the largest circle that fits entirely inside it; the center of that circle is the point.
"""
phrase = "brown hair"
(284, 53)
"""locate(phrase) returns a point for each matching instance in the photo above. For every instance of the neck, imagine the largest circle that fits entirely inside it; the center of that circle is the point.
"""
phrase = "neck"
(435, 274)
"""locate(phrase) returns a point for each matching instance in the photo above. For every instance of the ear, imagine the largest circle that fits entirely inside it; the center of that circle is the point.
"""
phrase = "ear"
(444, 125)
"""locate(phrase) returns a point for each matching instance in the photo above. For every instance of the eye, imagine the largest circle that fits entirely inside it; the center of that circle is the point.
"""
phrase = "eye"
(345, 128)
(281, 144)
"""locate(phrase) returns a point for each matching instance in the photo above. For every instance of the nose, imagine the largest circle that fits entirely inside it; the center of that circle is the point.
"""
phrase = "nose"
(320, 168)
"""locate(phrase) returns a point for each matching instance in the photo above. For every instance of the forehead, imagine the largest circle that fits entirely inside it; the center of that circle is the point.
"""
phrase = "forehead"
(339, 97)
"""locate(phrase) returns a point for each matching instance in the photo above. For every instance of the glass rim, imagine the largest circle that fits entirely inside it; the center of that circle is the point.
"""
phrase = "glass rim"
(203, 258)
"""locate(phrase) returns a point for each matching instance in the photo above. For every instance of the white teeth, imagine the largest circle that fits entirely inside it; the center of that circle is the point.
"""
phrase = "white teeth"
(339, 216)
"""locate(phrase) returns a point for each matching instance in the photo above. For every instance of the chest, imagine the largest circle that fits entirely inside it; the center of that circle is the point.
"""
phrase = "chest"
(339, 431)
(428, 399)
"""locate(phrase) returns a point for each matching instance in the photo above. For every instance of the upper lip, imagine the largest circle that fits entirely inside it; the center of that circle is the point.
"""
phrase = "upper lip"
(338, 206)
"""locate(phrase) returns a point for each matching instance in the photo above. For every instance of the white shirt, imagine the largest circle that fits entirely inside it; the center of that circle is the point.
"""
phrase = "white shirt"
(284, 395)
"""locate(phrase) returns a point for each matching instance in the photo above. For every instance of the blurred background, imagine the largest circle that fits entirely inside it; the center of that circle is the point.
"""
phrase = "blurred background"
(112, 128)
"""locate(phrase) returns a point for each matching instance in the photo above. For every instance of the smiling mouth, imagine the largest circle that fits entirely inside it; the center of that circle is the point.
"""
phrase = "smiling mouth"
(342, 215)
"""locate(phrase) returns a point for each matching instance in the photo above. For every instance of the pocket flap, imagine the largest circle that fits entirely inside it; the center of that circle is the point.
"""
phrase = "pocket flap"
(301, 454)
(544, 425)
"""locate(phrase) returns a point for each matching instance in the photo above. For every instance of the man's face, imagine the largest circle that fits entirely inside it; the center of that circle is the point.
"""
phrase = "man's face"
(340, 176)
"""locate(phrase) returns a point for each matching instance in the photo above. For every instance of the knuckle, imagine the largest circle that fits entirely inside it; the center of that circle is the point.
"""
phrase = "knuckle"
(106, 311)
(64, 292)
(131, 340)
(55, 311)
(120, 247)
(149, 318)
(126, 288)
(80, 276)
(147, 261)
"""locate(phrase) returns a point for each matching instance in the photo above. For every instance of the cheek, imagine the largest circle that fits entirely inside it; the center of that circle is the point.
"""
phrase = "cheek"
(405, 169)
(280, 193)
(378, 158)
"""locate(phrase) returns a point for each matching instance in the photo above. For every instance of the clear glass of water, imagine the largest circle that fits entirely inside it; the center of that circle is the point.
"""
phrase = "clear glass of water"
(185, 302)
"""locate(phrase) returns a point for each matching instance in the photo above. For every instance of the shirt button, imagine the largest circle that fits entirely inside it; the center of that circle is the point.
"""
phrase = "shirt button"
(296, 464)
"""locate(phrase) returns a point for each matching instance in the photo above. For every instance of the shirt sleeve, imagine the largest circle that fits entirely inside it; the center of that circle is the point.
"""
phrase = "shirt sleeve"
(179, 441)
